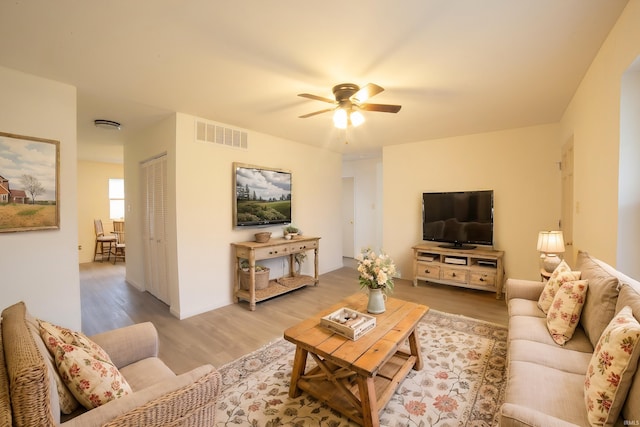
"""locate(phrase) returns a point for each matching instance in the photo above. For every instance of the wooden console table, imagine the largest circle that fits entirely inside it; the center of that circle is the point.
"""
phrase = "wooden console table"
(274, 248)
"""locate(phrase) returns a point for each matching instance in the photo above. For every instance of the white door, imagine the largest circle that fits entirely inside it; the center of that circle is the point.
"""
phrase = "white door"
(566, 220)
(348, 214)
(154, 189)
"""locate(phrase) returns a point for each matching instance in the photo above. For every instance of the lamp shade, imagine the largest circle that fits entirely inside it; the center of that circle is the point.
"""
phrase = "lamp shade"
(551, 242)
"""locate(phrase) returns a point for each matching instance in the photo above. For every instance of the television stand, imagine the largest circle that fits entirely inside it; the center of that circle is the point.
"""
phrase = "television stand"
(476, 268)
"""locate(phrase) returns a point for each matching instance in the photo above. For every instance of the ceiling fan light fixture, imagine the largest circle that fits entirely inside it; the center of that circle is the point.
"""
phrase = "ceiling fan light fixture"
(356, 118)
(106, 124)
(340, 118)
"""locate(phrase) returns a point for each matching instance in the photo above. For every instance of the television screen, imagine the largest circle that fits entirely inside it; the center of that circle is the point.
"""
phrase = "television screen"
(458, 218)
(262, 196)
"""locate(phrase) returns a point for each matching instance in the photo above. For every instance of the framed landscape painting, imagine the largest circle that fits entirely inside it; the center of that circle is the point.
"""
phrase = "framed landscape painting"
(29, 170)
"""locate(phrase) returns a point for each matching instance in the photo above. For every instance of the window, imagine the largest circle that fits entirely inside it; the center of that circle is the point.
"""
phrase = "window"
(116, 198)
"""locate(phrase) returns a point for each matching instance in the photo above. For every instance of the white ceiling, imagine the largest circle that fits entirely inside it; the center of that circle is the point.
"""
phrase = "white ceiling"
(456, 66)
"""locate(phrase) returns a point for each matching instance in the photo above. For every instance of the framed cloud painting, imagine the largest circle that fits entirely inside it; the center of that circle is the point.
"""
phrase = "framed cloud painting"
(29, 170)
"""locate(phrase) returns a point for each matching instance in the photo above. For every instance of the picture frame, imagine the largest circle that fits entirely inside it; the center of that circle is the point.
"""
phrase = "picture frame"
(29, 180)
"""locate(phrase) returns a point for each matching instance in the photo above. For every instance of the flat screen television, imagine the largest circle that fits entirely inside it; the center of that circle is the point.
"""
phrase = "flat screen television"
(460, 219)
(262, 196)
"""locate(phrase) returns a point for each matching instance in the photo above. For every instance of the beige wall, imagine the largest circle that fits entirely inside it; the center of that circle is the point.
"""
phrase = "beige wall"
(41, 267)
(593, 118)
(520, 166)
(200, 187)
(93, 202)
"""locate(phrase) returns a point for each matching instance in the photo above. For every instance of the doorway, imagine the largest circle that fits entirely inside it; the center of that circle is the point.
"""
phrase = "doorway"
(348, 215)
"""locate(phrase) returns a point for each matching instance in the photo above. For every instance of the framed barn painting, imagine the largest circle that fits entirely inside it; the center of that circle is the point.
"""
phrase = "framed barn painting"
(29, 171)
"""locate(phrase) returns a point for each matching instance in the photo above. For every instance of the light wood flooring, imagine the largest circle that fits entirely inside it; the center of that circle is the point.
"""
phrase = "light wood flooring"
(222, 335)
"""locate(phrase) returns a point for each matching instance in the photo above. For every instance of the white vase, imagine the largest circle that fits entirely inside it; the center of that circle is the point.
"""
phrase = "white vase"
(376, 301)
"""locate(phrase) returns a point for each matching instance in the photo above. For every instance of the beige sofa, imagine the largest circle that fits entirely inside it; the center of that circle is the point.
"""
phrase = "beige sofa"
(29, 393)
(545, 385)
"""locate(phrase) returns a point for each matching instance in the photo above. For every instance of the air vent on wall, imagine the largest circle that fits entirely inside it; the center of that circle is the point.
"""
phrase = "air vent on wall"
(211, 132)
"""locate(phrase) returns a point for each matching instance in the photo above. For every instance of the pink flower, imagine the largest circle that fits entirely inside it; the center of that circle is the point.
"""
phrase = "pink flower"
(442, 375)
(613, 379)
(445, 403)
(473, 355)
(416, 408)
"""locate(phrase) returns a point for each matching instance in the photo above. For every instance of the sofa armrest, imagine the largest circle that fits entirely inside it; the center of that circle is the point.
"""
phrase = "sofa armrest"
(129, 344)
(525, 289)
(512, 415)
(187, 399)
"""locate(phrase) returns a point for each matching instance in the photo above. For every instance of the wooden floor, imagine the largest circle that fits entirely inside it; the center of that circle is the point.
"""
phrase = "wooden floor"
(224, 334)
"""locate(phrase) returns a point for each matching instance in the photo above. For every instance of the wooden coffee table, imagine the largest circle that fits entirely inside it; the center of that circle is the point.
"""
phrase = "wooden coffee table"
(357, 378)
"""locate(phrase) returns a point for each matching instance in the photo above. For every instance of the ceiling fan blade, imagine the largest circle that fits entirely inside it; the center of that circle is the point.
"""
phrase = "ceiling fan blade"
(315, 112)
(384, 108)
(317, 98)
(366, 92)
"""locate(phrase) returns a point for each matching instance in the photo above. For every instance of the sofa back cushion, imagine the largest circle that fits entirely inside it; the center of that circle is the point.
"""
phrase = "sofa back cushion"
(600, 305)
(29, 381)
(629, 297)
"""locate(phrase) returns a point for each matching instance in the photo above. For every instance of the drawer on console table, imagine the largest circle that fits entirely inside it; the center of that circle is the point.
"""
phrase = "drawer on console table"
(271, 252)
(428, 270)
(483, 279)
(455, 274)
(296, 247)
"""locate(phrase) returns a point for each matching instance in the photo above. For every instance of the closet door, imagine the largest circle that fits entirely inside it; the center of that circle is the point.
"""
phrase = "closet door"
(154, 183)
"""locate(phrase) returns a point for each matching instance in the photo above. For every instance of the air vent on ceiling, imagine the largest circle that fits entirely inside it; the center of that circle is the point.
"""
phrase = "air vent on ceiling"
(211, 132)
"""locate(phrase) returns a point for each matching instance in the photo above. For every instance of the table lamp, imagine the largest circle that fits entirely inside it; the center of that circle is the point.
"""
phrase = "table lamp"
(550, 243)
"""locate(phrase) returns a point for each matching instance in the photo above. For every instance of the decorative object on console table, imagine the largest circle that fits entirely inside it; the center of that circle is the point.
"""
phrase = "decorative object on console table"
(551, 244)
(376, 274)
(263, 236)
(275, 248)
(291, 232)
(261, 276)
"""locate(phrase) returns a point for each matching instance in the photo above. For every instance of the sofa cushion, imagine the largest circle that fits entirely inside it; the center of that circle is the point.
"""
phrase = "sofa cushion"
(92, 380)
(547, 390)
(146, 372)
(560, 275)
(524, 307)
(629, 297)
(602, 294)
(611, 369)
(66, 402)
(535, 329)
(552, 356)
(84, 366)
(564, 313)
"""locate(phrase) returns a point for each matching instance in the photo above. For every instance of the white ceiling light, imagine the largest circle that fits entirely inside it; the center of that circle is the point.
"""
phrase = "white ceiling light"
(340, 119)
(343, 117)
(106, 124)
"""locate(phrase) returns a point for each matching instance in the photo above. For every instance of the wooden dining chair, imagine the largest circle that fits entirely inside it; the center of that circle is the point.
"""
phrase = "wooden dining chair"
(102, 241)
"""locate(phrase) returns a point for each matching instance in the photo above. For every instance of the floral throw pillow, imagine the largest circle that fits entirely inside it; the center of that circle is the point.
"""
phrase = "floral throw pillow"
(559, 276)
(564, 313)
(611, 369)
(92, 381)
(84, 366)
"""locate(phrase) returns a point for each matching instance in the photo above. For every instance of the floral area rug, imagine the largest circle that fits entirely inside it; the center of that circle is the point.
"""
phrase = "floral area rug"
(461, 384)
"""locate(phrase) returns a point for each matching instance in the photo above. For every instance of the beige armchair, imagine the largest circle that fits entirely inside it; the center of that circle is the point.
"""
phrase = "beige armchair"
(160, 397)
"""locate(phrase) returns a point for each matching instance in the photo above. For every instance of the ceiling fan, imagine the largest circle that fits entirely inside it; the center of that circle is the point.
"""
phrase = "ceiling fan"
(349, 100)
